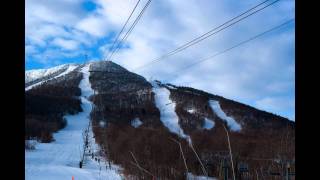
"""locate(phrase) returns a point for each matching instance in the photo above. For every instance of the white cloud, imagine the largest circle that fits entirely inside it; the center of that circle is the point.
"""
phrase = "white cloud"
(116, 11)
(52, 23)
(30, 49)
(94, 25)
(40, 35)
(66, 44)
(62, 12)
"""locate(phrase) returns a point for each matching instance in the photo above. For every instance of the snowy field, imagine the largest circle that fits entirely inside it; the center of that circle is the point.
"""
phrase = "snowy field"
(59, 160)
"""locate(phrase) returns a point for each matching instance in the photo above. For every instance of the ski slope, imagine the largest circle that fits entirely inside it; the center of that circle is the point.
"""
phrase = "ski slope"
(233, 124)
(167, 108)
(208, 124)
(59, 160)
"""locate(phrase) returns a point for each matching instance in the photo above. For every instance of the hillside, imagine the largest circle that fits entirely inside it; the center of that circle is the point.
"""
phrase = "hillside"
(154, 129)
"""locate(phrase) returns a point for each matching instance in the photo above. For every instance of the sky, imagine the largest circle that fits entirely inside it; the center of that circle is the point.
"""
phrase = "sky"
(260, 73)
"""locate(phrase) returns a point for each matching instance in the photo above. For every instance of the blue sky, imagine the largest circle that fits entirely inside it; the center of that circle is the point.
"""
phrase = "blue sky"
(260, 73)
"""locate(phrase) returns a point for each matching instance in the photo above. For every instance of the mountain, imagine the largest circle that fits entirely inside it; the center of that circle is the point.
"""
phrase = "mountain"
(156, 129)
(34, 77)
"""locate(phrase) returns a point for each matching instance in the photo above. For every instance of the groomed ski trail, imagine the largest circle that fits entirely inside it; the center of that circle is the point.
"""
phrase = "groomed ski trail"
(60, 159)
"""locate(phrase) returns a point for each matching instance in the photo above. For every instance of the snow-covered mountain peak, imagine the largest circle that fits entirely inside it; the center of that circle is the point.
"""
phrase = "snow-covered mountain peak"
(34, 74)
(36, 77)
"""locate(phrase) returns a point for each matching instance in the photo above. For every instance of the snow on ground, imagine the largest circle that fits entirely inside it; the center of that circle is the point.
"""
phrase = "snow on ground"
(70, 68)
(102, 124)
(194, 177)
(136, 122)
(171, 86)
(191, 111)
(208, 124)
(230, 121)
(32, 75)
(60, 159)
(166, 107)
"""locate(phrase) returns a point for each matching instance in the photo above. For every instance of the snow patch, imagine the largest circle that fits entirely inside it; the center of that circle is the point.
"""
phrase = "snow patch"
(230, 121)
(191, 111)
(166, 107)
(102, 124)
(208, 124)
(190, 176)
(171, 86)
(136, 122)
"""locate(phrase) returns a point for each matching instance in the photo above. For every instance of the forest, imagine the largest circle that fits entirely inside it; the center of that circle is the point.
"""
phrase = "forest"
(46, 105)
(258, 151)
